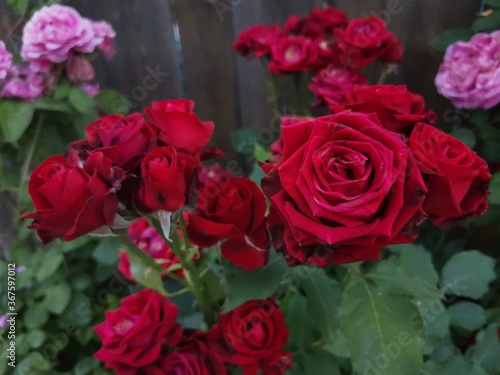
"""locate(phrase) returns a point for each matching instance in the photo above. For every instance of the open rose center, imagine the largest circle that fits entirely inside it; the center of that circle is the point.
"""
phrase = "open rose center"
(257, 335)
(292, 54)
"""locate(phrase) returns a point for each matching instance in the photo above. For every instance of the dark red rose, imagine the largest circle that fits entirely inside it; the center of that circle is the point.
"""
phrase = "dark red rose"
(456, 177)
(213, 173)
(122, 139)
(148, 240)
(257, 40)
(233, 210)
(317, 23)
(73, 200)
(276, 365)
(293, 54)
(277, 146)
(178, 126)
(331, 84)
(252, 335)
(343, 189)
(135, 335)
(396, 108)
(192, 357)
(366, 39)
(167, 175)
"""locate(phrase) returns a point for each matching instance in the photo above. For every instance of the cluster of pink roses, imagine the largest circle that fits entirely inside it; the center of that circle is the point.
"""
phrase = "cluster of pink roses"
(56, 38)
(470, 73)
(325, 42)
(142, 337)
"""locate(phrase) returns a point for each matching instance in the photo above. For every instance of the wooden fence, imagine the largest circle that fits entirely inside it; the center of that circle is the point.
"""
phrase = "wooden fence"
(184, 47)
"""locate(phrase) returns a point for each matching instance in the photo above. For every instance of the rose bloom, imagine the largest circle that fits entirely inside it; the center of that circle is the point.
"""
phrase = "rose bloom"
(397, 109)
(316, 23)
(178, 126)
(233, 210)
(54, 31)
(366, 39)
(293, 54)
(257, 41)
(25, 83)
(213, 173)
(456, 177)
(277, 147)
(73, 200)
(148, 240)
(331, 84)
(92, 89)
(251, 336)
(167, 175)
(470, 73)
(79, 69)
(135, 335)
(104, 36)
(5, 61)
(342, 190)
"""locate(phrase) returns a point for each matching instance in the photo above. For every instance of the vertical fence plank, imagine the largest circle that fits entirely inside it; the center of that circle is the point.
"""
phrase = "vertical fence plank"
(206, 35)
(145, 67)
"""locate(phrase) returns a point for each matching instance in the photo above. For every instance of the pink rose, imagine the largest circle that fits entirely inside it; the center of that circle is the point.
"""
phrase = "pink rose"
(25, 83)
(104, 35)
(5, 61)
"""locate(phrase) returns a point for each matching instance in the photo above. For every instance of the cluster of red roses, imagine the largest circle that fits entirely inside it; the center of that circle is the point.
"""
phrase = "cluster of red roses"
(142, 337)
(325, 42)
(344, 185)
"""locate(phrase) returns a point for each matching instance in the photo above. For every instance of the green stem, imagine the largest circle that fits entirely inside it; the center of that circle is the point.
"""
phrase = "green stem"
(274, 97)
(383, 76)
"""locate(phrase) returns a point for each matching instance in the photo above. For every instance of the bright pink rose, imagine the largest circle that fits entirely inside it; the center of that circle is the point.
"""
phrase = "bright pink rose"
(5, 61)
(92, 89)
(104, 36)
(135, 335)
(470, 73)
(25, 83)
(293, 54)
(257, 41)
(330, 84)
(53, 32)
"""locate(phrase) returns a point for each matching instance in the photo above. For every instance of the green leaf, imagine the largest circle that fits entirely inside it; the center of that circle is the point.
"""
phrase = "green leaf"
(384, 331)
(80, 100)
(36, 337)
(436, 321)
(494, 189)
(241, 285)
(15, 118)
(455, 365)
(61, 91)
(257, 173)
(244, 140)
(489, 23)
(467, 315)
(260, 153)
(57, 297)
(50, 263)
(36, 316)
(492, 3)
(486, 351)
(320, 362)
(466, 136)
(19, 6)
(468, 274)
(49, 104)
(301, 330)
(338, 345)
(444, 39)
(107, 251)
(86, 365)
(323, 297)
(111, 101)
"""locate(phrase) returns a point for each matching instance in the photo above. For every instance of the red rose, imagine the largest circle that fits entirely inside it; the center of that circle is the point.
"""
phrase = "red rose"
(134, 335)
(331, 84)
(257, 40)
(316, 23)
(178, 126)
(276, 365)
(192, 357)
(73, 200)
(213, 173)
(167, 175)
(364, 40)
(122, 139)
(233, 210)
(277, 146)
(343, 189)
(252, 335)
(293, 54)
(396, 108)
(148, 240)
(456, 177)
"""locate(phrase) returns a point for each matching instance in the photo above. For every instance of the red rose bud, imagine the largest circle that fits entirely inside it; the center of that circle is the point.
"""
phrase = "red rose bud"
(342, 190)
(293, 54)
(135, 335)
(167, 176)
(366, 39)
(178, 126)
(331, 84)
(122, 139)
(73, 200)
(79, 69)
(252, 336)
(233, 210)
(397, 109)
(317, 23)
(257, 41)
(456, 177)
